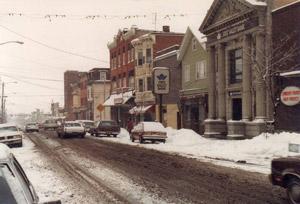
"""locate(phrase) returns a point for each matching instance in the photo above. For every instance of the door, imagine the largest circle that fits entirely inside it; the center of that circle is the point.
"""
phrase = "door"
(237, 109)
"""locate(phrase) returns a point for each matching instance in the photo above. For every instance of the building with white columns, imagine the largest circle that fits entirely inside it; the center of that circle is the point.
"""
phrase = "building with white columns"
(238, 34)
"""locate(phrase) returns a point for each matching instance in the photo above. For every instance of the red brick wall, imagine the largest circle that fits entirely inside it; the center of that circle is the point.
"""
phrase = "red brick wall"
(164, 41)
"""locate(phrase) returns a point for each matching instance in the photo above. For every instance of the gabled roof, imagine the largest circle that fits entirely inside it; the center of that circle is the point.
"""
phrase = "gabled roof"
(221, 11)
(189, 34)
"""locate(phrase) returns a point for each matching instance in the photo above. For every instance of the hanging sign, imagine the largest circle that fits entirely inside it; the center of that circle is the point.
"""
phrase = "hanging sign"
(290, 96)
(161, 80)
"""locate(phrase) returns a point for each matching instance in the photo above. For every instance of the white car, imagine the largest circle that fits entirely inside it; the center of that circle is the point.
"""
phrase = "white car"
(31, 127)
(87, 124)
(10, 135)
(15, 187)
(153, 131)
(70, 128)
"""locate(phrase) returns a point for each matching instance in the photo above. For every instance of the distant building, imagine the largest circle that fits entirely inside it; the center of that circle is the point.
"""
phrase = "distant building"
(98, 90)
(70, 77)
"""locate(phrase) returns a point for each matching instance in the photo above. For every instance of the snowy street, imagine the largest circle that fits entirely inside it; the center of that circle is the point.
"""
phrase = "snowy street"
(101, 170)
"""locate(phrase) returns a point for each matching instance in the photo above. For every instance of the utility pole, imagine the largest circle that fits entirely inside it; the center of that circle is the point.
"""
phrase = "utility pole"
(2, 104)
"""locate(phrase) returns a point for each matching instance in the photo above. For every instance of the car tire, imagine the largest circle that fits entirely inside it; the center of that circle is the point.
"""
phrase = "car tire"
(83, 135)
(293, 190)
(141, 140)
(96, 134)
(164, 141)
(114, 135)
(153, 141)
(92, 134)
(132, 139)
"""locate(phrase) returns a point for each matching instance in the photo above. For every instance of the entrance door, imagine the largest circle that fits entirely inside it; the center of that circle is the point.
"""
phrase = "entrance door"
(237, 109)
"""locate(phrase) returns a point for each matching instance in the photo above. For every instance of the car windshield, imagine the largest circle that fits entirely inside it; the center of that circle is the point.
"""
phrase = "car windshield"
(72, 125)
(50, 121)
(88, 123)
(31, 124)
(8, 128)
(108, 123)
(11, 190)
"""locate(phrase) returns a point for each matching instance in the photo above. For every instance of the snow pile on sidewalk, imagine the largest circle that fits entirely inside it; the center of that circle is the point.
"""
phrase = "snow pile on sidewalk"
(257, 152)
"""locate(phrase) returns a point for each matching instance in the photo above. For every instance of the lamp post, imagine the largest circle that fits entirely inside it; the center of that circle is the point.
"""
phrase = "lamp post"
(2, 100)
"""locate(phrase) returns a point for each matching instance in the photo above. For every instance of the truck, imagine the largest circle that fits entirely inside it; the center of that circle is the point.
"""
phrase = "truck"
(105, 127)
(50, 124)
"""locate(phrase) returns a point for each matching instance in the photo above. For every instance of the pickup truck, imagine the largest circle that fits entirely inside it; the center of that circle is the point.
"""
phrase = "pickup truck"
(105, 127)
(286, 173)
(70, 128)
(50, 124)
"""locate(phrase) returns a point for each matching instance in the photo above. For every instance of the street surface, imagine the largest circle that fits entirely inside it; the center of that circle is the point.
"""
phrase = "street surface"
(109, 172)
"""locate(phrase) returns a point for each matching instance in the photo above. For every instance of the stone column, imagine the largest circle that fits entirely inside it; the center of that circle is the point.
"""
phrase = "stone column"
(221, 82)
(260, 83)
(247, 79)
(212, 83)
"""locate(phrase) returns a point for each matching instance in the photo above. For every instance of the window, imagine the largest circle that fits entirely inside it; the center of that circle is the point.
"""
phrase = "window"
(236, 66)
(131, 79)
(148, 55)
(194, 46)
(119, 58)
(124, 80)
(140, 59)
(187, 73)
(120, 81)
(115, 62)
(114, 85)
(124, 56)
(141, 84)
(132, 54)
(149, 84)
(201, 70)
(102, 76)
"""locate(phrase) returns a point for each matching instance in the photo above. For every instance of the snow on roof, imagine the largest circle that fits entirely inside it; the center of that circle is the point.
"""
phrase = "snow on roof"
(7, 125)
(287, 5)
(257, 3)
(124, 96)
(290, 73)
(153, 126)
(4, 152)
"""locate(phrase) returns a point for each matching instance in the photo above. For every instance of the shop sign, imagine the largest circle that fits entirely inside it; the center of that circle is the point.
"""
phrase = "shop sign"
(290, 96)
(161, 80)
(118, 100)
(234, 93)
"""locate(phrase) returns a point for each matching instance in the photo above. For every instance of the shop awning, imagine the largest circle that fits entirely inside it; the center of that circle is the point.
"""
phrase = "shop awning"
(139, 109)
(118, 99)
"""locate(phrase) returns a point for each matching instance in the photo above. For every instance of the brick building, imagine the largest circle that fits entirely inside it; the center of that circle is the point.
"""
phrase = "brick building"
(122, 71)
(146, 49)
(70, 77)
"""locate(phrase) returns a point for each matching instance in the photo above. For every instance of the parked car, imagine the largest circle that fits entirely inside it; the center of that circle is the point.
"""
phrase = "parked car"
(14, 184)
(87, 124)
(50, 124)
(41, 125)
(31, 127)
(10, 135)
(70, 128)
(106, 127)
(153, 131)
(285, 172)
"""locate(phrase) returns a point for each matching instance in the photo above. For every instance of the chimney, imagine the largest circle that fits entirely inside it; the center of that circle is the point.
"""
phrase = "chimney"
(166, 29)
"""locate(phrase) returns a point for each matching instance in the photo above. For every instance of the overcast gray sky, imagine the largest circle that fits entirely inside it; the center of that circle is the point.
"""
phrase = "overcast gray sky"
(62, 35)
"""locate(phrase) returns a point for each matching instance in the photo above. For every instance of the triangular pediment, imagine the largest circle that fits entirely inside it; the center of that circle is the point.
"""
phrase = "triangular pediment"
(222, 10)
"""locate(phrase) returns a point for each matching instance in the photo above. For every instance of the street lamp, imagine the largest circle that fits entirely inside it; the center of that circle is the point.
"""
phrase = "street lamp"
(2, 100)
(14, 41)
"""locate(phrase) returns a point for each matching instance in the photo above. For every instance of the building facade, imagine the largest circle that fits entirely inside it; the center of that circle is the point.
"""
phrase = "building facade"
(122, 70)
(70, 77)
(237, 35)
(171, 116)
(194, 82)
(146, 48)
(98, 90)
(76, 101)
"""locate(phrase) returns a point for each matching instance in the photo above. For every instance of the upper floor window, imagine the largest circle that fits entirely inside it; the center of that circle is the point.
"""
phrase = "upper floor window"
(102, 76)
(140, 59)
(148, 55)
(194, 45)
(132, 54)
(114, 86)
(236, 66)
(187, 73)
(141, 85)
(201, 70)
(124, 56)
(124, 80)
(149, 83)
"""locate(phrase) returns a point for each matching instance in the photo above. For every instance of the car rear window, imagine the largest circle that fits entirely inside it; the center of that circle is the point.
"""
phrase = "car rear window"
(88, 123)
(108, 123)
(72, 125)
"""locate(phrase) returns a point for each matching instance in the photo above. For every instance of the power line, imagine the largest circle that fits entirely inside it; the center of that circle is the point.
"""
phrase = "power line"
(24, 77)
(53, 48)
